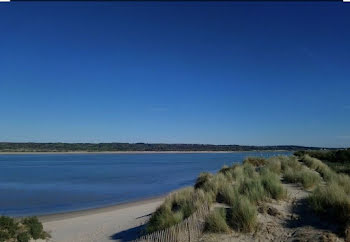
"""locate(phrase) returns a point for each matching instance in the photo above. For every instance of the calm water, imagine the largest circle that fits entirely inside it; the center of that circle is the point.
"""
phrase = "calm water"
(44, 184)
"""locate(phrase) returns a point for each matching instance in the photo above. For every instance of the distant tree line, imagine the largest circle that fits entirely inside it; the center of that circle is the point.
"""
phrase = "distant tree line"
(335, 156)
(100, 147)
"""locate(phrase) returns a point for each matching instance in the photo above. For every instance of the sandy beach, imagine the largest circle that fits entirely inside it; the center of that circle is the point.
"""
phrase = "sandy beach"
(115, 223)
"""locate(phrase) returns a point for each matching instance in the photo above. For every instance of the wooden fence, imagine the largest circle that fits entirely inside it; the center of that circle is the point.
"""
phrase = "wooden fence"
(187, 231)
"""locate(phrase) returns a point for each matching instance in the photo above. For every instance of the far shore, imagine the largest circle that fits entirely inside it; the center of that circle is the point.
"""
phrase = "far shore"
(130, 152)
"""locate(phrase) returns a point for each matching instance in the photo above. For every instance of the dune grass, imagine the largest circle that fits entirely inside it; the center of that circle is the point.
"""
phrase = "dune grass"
(255, 161)
(243, 215)
(241, 187)
(290, 163)
(272, 185)
(226, 193)
(274, 165)
(203, 178)
(331, 200)
(176, 208)
(216, 221)
(320, 167)
(307, 178)
(253, 189)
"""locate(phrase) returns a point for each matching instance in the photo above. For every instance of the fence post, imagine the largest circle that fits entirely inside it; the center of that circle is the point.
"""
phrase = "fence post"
(189, 232)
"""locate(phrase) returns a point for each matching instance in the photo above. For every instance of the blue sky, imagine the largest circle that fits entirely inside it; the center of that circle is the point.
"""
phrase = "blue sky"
(196, 72)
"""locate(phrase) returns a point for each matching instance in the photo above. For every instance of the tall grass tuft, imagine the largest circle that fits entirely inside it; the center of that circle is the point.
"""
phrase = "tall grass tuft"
(249, 170)
(320, 167)
(243, 215)
(255, 161)
(216, 221)
(290, 163)
(227, 172)
(237, 172)
(274, 165)
(203, 178)
(307, 178)
(332, 201)
(176, 207)
(163, 218)
(272, 185)
(226, 194)
(252, 189)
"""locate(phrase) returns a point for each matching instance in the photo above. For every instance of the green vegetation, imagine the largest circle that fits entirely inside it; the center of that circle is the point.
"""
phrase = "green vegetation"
(307, 178)
(100, 147)
(226, 194)
(272, 185)
(176, 208)
(253, 189)
(22, 230)
(313, 163)
(242, 187)
(327, 155)
(338, 160)
(255, 161)
(242, 215)
(216, 221)
(333, 198)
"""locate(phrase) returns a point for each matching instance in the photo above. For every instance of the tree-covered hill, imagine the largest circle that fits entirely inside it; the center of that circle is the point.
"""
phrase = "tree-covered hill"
(100, 147)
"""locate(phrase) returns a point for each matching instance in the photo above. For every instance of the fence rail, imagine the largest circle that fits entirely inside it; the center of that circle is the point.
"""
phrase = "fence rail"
(187, 231)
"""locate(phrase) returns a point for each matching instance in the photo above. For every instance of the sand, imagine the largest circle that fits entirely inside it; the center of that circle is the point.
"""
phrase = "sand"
(116, 223)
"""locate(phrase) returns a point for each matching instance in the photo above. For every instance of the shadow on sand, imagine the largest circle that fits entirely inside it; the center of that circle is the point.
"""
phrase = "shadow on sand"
(129, 234)
(306, 217)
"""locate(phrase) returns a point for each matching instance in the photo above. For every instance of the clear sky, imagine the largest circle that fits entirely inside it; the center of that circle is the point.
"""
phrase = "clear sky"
(195, 72)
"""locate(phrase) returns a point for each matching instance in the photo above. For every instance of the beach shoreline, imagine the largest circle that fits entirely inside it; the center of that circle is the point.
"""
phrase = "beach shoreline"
(128, 152)
(105, 209)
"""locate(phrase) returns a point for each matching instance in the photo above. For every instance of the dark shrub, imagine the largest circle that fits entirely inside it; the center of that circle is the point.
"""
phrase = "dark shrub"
(4, 236)
(23, 237)
(9, 226)
(35, 228)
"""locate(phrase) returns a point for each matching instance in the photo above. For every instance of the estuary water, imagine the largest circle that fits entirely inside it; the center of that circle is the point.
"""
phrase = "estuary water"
(37, 184)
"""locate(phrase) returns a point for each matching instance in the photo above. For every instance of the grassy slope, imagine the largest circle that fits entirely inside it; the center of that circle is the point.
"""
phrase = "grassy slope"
(245, 187)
